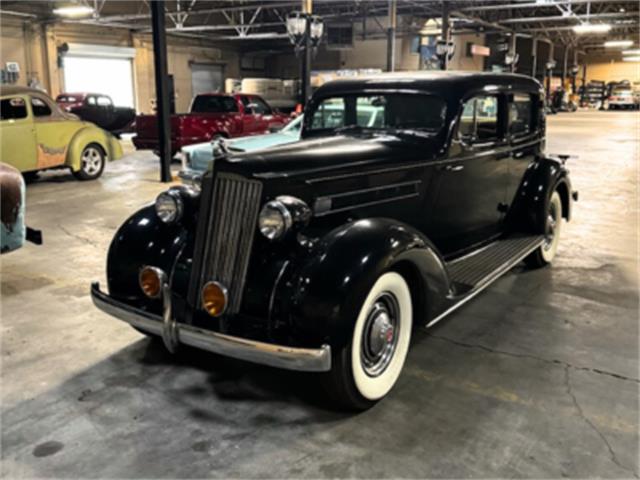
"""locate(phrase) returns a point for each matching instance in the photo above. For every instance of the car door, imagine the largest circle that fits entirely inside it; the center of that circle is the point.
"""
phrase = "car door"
(53, 132)
(524, 136)
(17, 133)
(250, 119)
(105, 112)
(470, 189)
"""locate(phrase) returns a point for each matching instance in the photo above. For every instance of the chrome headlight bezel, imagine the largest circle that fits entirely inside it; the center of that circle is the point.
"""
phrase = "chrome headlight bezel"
(285, 213)
(169, 206)
(282, 221)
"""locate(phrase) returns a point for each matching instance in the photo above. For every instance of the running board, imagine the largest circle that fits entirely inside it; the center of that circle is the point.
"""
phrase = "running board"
(471, 274)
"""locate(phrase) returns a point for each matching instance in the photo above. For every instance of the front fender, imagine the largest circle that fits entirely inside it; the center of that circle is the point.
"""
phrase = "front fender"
(142, 240)
(92, 134)
(324, 295)
(543, 177)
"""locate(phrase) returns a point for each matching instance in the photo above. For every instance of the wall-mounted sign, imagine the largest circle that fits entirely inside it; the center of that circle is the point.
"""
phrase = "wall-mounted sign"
(479, 50)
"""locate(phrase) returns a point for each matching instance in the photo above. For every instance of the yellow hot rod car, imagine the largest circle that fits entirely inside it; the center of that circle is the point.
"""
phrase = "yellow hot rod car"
(35, 134)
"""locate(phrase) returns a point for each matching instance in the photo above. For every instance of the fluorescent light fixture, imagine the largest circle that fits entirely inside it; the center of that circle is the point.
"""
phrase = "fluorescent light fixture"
(591, 28)
(632, 51)
(73, 10)
(631, 59)
(618, 43)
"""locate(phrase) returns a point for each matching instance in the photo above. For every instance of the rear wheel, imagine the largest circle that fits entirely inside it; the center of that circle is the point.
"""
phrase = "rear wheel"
(368, 366)
(92, 161)
(546, 252)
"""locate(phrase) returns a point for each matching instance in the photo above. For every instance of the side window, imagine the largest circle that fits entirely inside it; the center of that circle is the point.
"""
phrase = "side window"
(329, 114)
(245, 101)
(104, 101)
(479, 120)
(520, 114)
(13, 109)
(260, 106)
(91, 100)
(40, 108)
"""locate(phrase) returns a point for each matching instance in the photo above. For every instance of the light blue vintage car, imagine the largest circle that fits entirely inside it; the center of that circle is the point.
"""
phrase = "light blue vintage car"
(196, 158)
(13, 231)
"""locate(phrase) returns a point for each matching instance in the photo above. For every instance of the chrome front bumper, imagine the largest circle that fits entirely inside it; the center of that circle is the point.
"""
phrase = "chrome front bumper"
(174, 333)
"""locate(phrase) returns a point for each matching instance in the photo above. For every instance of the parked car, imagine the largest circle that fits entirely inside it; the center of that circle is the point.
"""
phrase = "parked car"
(99, 109)
(623, 97)
(322, 255)
(14, 232)
(197, 158)
(211, 115)
(37, 135)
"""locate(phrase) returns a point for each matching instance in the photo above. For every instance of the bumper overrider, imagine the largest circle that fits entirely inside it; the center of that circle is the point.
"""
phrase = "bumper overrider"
(174, 333)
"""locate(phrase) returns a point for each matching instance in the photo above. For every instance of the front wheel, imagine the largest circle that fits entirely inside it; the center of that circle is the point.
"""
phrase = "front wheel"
(92, 161)
(546, 252)
(368, 366)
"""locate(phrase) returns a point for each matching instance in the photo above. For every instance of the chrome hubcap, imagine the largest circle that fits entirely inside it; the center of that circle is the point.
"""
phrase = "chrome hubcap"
(380, 335)
(91, 161)
(552, 223)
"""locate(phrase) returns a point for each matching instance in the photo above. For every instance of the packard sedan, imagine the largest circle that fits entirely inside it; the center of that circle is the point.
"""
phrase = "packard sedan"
(323, 255)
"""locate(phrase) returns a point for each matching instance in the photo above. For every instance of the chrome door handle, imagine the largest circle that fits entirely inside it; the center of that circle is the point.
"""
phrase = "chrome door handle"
(454, 168)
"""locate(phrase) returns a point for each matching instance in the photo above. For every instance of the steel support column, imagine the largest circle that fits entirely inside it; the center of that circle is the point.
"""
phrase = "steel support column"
(534, 56)
(445, 33)
(162, 88)
(305, 68)
(513, 49)
(391, 36)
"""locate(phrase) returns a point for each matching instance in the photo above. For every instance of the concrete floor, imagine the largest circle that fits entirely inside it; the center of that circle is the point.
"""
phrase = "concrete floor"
(537, 377)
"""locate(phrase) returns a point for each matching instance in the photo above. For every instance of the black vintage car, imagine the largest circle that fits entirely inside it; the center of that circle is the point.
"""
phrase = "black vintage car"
(323, 255)
(99, 109)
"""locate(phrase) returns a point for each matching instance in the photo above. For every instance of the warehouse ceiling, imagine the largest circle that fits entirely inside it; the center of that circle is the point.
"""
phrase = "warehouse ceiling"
(261, 24)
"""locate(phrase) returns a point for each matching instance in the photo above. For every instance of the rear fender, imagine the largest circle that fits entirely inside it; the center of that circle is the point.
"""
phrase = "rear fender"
(542, 178)
(322, 298)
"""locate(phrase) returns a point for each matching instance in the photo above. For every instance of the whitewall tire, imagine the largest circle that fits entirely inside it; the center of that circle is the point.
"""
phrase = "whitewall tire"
(367, 368)
(546, 252)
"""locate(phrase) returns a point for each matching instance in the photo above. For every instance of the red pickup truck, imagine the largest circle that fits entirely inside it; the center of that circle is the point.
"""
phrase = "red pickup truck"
(211, 115)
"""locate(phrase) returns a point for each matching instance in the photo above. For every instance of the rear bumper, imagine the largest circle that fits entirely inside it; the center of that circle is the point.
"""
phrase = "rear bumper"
(174, 333)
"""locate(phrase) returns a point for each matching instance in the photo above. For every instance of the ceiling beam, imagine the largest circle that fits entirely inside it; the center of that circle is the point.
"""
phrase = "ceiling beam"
(556, 18)
(507, 6)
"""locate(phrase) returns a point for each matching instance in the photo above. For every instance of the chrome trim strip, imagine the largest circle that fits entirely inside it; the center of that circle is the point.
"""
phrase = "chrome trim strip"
(280, 356)
(484, 283)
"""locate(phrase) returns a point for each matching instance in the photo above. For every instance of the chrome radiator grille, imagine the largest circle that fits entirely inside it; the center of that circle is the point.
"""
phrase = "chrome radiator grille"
(230, 228)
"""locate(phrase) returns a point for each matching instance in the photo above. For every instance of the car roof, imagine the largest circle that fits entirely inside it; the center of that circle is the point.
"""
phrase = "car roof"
(19, 90)
(432, 81)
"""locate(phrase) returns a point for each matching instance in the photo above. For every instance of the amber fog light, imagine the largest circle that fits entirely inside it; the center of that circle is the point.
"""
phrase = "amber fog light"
(151, 279)
(214, 298)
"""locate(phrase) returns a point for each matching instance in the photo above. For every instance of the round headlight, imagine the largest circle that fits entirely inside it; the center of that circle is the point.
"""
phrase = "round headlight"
(274, 220)
(169, 206)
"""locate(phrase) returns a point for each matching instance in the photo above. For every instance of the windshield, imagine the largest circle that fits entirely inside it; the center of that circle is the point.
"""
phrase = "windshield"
(384, 111)
(214, 104)
(293, 127)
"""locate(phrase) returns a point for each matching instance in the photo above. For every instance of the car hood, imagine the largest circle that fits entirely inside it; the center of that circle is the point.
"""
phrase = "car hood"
(330, 153)
(256, 142)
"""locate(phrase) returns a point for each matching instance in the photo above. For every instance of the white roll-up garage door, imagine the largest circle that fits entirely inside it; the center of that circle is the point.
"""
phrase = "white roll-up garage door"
(100, 69)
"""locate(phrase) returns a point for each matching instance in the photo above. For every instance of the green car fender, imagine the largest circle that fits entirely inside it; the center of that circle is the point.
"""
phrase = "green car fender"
(91, 134)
